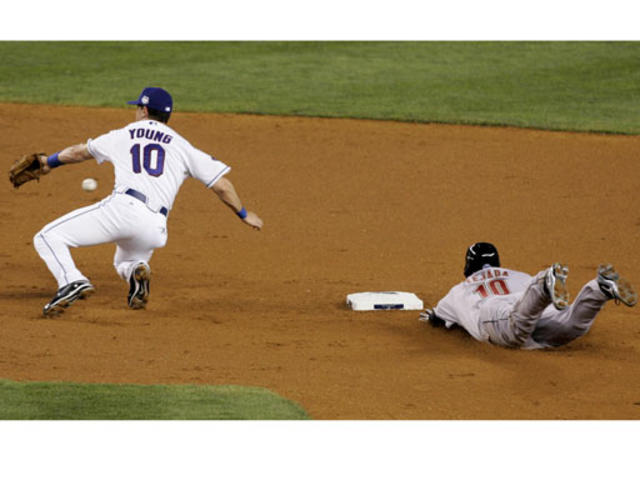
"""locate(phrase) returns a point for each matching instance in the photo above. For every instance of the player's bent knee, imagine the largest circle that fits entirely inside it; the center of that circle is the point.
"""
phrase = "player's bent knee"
(38, 241)
(48, 242)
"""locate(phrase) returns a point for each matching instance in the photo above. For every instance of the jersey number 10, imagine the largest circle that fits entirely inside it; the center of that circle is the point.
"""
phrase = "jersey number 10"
(497, 286)
(148, 159)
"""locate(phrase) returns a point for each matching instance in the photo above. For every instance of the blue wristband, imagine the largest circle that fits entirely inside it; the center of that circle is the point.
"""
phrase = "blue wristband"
(242, 213)
(53, 161)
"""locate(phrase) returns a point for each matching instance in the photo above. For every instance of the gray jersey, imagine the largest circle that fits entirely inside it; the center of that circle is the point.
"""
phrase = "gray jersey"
(510, 308)
(461, 306)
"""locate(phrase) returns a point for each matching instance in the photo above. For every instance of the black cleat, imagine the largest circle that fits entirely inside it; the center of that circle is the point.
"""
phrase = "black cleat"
(66, 296)
(139, 286)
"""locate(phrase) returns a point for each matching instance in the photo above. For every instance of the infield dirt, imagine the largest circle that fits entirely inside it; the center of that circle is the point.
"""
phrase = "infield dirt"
(348, 206)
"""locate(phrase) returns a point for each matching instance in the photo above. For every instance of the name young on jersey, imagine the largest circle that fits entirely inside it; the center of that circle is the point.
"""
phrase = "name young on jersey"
(149, 134)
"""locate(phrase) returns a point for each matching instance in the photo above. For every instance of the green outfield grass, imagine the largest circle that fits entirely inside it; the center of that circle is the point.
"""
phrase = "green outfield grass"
(72, 401)
(583, 86)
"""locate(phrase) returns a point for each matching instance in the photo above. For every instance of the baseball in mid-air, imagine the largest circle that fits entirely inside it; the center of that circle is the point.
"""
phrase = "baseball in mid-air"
(89, 184)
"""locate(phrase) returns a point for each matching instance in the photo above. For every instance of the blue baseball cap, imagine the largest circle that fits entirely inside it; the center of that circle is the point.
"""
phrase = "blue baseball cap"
(155, 98)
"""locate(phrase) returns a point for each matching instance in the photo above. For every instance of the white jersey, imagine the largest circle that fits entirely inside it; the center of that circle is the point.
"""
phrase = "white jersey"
(152, 158)
(462, 304)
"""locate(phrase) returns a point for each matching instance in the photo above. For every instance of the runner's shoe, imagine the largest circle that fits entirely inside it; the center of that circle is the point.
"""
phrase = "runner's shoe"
(614, 287)
(555, 285)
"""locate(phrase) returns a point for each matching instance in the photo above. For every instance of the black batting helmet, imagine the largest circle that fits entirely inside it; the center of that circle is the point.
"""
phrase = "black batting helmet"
(478, 255)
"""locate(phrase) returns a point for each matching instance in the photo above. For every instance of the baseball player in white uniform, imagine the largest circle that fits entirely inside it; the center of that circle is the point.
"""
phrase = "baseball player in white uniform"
(513, 309)
(150, 162)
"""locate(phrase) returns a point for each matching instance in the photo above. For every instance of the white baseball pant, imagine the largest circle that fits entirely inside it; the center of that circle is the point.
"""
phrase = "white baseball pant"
(119, 218)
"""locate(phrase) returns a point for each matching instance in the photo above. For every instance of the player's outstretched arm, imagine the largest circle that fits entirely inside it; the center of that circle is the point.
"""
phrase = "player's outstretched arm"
(73, 154)
(33, 165)
(227, 193)
(429, 316)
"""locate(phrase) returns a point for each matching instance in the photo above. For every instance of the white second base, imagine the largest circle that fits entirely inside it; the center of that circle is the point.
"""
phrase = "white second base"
(384, 301)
